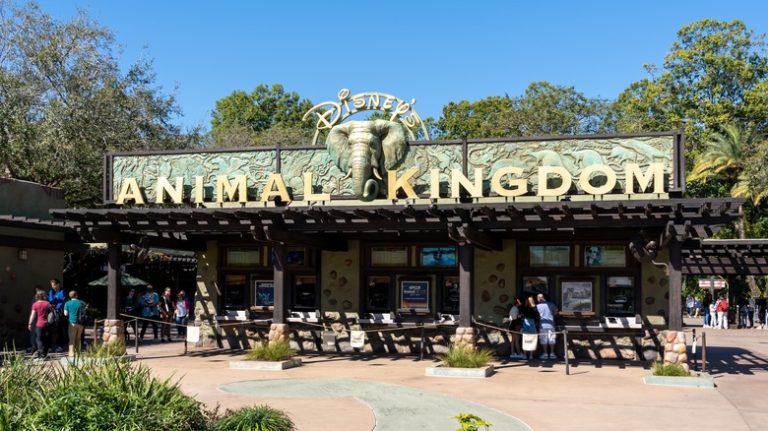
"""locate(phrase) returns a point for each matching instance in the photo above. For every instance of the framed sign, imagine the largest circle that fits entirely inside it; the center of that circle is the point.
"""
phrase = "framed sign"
(389, 256)
(438, 256)
(264, 292)
(450, 298)
(414, 294)
(609, 256)
(536, 284)
(620, 296)
(549, 255)
(577, 295)
(296, 256)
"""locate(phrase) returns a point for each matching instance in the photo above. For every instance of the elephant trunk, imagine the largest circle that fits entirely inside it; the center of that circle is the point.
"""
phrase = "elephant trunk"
(365, 186)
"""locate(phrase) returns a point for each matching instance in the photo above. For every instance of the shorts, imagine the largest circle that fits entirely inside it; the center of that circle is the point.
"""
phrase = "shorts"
(547, 336)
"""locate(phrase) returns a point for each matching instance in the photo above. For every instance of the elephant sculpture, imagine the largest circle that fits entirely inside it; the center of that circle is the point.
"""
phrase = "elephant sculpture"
(363, 148)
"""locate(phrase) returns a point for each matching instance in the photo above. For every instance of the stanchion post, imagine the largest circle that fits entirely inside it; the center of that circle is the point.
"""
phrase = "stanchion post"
(421, 343)
(695, 353)
(703, 352)
(136, 334)
(565, 349)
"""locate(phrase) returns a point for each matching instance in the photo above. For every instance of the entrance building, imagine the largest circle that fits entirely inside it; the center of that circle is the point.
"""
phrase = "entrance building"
(417, 240)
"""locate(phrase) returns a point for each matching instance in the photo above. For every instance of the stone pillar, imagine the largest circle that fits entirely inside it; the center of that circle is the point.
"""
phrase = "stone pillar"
(279, 332)
(113, 331)
(675, 349)
(465, 337)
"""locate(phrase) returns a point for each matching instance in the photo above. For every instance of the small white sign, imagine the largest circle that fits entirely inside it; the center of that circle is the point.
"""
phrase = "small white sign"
(193, 334)
(357, 339)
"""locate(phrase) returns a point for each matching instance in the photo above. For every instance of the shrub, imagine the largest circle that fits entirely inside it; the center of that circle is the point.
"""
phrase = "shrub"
(106, 350)
(470, 422)
(460, 357)
(675, 370)
(276, 351)
(259, 418)
(109, 396)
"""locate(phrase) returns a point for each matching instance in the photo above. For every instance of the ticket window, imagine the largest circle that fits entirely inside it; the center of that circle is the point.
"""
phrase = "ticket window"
(377, 294)
(305, 293)
(236, 291)
(450, 295)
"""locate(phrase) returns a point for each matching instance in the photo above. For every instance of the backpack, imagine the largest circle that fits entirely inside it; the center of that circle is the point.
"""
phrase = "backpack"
(82, 314)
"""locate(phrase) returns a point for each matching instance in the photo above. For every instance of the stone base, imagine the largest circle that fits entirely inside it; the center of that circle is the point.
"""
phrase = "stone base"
(675, 348)
(265, 365)
(466, 373)
(279, 332)
(113, 332)
(465, 337)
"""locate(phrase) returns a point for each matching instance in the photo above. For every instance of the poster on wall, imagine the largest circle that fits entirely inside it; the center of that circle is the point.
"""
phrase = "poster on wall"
(264, 293)
(620, 295)
(414, 295)
(536, 284)
(438, 256)
(605, 256)
(576, 296)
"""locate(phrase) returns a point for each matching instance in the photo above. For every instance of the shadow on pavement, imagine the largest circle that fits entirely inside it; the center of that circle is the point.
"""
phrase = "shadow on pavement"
(734, 360)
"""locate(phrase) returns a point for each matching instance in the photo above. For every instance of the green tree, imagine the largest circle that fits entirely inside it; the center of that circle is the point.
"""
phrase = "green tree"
(714, 74)
(543, 109)
(728, 155)
(64, 102)
(266, 116)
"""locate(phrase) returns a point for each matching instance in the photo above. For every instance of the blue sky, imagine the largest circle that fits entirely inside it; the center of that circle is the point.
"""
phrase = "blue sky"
(433, 51)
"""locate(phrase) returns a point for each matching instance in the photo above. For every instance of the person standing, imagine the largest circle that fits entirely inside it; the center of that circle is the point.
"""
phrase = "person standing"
(706, 303)
(149, 311)
(71, 311)
(689, 302)
(181, 314)
(722, 313)
(58, 330)
(530, 327)
(547, 312)
(515, 325)
(166, 314)
(130, 308)
(38, 321)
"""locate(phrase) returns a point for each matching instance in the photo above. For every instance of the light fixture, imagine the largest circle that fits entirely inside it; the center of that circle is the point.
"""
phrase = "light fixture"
(22, 254)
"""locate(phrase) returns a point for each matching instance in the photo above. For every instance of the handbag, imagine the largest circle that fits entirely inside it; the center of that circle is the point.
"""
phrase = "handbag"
(530, 342)
(52, 317)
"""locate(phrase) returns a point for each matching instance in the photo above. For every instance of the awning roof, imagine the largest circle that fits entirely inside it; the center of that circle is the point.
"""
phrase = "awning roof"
(725, 257)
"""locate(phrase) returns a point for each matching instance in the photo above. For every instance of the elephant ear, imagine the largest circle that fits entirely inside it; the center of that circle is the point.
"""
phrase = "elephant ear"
(394, 143)
(338, 145)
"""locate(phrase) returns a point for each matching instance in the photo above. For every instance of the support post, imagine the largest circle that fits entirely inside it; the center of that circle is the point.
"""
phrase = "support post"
(279, 330)
(278, 266)
(675, 286)
(466, 264)
(114, 251)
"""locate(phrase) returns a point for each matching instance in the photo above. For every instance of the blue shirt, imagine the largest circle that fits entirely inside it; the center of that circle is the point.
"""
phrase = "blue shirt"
(57, 299)
(547, 312)
(71, 308)
(149, 304)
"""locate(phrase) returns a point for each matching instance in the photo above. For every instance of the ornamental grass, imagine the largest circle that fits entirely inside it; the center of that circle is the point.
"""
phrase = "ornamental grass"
(461, 357)
(259, 418)
(273, 351)
(673, 370)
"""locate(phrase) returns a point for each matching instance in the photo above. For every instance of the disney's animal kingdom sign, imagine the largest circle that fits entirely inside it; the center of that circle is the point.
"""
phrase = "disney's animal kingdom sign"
(378, 159)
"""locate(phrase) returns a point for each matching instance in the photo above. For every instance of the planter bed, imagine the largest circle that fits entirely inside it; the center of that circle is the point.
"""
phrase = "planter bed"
(265, 365)
(467, 373)
(698, 380)
(83, 360)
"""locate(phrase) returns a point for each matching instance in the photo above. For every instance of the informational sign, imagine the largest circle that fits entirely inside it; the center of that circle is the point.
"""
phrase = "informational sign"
(605, 256)
(577, 296)
(357, 339)
(709, 283)
(414, 295)
(264, 292)
(193, 334)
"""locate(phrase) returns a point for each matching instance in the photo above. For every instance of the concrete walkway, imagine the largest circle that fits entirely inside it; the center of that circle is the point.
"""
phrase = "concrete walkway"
(339, 392)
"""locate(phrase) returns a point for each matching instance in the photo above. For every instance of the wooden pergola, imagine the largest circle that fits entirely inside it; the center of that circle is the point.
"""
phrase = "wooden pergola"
(673, 223)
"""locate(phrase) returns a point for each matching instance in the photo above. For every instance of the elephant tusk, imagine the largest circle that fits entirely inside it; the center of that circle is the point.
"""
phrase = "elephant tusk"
(346, 177)
(377, 174)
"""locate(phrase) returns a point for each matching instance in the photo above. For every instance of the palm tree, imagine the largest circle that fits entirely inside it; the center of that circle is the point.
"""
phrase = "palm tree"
(727, 155)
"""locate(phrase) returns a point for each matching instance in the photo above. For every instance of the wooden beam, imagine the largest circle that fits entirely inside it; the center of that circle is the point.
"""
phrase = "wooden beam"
(280, 274)
(114, 251)
(675, 286)
(319, 241)
(478, 238)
